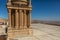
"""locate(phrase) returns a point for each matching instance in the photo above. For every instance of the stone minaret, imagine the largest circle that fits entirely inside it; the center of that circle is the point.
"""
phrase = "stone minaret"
(19, 19)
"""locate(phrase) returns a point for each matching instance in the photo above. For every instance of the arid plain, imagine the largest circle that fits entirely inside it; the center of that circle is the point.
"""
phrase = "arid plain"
(42, 32)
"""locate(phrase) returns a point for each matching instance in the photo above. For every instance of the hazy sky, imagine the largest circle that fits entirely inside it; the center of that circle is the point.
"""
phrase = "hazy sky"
(41, 9)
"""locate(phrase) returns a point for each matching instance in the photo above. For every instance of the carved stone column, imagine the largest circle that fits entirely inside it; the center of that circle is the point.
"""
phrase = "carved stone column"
(17, 20)
(30, 3)
(30, 18)
(9, 2)
(9, 20)
(25, 19)
(21, 19)
(12, 19)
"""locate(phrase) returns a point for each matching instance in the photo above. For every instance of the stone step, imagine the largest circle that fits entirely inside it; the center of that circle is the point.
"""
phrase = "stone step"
(16, 33)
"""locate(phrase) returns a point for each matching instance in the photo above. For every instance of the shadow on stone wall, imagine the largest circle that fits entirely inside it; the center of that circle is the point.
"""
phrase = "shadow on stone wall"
(3, 37)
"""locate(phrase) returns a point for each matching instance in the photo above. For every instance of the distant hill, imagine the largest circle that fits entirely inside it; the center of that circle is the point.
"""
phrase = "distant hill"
(47, 22)
(3, 21)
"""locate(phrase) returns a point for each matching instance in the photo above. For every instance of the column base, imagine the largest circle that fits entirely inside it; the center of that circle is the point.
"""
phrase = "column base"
(13, 33)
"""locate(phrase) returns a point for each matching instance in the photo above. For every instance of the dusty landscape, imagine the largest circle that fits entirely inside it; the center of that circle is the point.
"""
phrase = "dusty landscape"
(43, 32)
(46, 32)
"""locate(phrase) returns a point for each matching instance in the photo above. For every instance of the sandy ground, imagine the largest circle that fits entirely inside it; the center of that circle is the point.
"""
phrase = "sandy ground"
(43, 32)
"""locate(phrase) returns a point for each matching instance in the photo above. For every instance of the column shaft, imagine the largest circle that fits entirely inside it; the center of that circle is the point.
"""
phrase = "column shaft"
(17, 25)
(9, 2)
(21, 19)
(25, 19)
(9, 18)
(30, 18)
(30, 3)
(12, 20)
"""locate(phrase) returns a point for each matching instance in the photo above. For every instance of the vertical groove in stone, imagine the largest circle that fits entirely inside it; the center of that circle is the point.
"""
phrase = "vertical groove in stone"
(28, 19)
(25, 20)
(12, 17)
(19, 18)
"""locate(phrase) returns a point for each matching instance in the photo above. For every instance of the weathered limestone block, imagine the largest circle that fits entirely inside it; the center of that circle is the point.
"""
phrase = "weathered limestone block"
(13, 33)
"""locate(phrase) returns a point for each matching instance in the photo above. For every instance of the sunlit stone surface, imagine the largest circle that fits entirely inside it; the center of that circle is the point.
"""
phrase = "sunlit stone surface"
(19, 19)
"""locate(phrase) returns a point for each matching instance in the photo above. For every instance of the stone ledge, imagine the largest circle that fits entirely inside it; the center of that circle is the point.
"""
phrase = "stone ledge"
(21, 32)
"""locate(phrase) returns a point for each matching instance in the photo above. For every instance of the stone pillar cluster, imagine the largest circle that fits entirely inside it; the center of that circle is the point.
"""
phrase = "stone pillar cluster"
(19, 12)
(19, 19)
